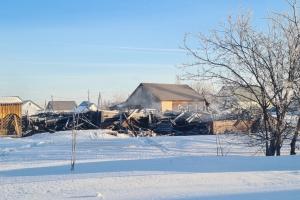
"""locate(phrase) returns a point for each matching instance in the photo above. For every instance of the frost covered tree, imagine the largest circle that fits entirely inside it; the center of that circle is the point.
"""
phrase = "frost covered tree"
(201, 87)
(297, 129)
(239, 54)
(204, 89)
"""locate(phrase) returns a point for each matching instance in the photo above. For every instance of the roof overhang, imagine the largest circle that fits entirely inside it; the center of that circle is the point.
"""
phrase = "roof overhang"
(10, 100)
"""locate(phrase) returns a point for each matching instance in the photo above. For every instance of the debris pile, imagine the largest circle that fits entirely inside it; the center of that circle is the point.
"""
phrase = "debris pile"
(137, 122)
(52, 122)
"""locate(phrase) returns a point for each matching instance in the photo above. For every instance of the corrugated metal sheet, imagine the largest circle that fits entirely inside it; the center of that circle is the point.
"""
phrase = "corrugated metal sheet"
(10, 100)
(173, 92)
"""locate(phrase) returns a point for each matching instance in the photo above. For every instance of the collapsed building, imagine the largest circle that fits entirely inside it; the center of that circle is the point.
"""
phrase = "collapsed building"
(152, 109)
(138, 122)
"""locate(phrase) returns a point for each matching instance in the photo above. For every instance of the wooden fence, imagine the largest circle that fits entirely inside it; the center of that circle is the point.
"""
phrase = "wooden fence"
(11, 119)
(229, 125)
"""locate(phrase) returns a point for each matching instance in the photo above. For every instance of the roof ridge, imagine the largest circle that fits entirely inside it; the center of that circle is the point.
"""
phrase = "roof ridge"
(180, 90)
(152, 91)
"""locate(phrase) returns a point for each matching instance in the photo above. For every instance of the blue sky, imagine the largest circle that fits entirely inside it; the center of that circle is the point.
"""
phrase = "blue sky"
(66, 47)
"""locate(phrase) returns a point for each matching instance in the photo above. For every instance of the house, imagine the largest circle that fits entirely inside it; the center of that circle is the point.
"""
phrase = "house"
(164, 97)
(85, 106)
(31, 108)
(11, 116)
(60, 106)
(238, 96)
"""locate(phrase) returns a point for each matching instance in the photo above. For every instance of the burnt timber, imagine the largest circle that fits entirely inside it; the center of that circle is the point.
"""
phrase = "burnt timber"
(137, 122)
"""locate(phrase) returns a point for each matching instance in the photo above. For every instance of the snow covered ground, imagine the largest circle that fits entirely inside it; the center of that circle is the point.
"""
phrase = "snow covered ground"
(109, 167)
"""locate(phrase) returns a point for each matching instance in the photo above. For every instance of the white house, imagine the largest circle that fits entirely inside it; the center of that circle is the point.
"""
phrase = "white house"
(31, 108)
(242, 97)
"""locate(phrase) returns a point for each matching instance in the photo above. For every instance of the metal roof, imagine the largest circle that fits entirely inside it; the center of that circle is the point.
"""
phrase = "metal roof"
(61, 105)
(173, 92)
(10, 100)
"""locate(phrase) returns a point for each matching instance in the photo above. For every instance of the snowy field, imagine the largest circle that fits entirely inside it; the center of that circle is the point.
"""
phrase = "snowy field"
(109, 167)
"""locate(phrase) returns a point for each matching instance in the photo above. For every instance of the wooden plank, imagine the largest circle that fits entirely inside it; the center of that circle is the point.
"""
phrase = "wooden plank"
(17, 128)
(1, 111)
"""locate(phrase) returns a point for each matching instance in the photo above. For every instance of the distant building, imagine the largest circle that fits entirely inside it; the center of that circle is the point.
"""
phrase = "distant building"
(118, 106)
(11, 116)
(31, 108)
(164, 97)
(60, 106)
(239, 96)
(85, 106)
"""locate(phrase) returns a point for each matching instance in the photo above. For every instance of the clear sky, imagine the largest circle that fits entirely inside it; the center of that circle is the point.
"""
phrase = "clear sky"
(66, 47)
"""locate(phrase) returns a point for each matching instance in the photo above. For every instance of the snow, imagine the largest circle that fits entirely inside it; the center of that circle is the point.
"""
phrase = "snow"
(85, 106)
(9, 100)
(110, 167)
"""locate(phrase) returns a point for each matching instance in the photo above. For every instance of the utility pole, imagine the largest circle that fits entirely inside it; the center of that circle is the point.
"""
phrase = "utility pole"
(88, 95)
(51, 101)
(99, 101)
(45, 106)
(74, 135)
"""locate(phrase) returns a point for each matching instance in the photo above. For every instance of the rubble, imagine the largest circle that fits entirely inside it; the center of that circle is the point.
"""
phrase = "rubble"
(137, 123)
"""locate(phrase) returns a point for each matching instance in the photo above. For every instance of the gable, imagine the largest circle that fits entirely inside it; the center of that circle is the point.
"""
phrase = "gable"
(142, 97)
(30, 103)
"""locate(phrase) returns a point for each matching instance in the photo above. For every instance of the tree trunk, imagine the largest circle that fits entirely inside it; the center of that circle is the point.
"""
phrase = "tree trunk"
(267, 149)
(272, 147)
(293, 142)
(278, 147)
(278, 144)
(267, 129)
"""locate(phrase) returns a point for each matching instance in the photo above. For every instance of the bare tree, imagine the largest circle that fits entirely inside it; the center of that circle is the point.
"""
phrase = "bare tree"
(242, 55)
(177, 79)
(202, 87)
(115, 99)
(119, 98)
(297, 129)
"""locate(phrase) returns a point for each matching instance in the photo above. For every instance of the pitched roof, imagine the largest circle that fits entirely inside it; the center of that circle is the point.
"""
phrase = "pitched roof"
(173, 92)
(62, 105)
(84, 107)
(86, 104)
(10, 100)
(242, 93)
(26, 101)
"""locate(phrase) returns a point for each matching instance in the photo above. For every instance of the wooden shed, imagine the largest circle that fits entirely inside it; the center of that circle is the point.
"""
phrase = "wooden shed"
(11, 116)
(164, 97)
